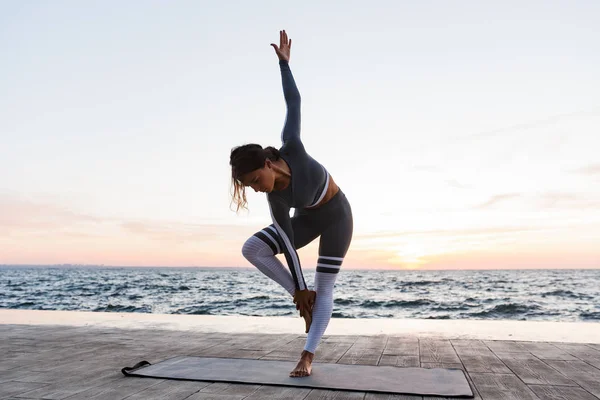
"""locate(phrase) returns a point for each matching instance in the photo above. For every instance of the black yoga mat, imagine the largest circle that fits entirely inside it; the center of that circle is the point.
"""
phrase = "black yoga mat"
(363, 378)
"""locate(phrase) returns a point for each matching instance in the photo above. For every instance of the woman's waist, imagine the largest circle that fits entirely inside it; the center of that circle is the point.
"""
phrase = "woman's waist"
(327, 193)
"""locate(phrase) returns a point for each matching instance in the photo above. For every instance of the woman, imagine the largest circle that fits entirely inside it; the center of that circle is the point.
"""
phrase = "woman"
(293, 179)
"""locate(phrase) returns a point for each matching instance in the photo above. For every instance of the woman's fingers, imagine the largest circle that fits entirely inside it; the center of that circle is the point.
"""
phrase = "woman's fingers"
(303, 306)
(284, 40)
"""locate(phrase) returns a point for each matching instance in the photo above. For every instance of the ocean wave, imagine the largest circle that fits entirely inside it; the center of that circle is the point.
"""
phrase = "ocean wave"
(395, 303)
(418, 283)
(120, 308)
(506, 310)
(590, 315)
(282, 306)
(462, 307)
(262, 297)
(338, 314)
(344, 302)
(194, 310)
(566, 293)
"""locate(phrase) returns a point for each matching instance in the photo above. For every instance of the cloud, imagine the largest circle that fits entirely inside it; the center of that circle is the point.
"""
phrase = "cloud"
(450, 232)
(497, 199)
(592, 169)
(24, 217)
(567, 200)
(426, 168)
(458, 185)
(527, 125)
(18, 214)
(184, 232)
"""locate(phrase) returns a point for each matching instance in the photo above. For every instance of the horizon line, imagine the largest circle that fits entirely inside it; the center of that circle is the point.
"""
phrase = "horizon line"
(254, 268)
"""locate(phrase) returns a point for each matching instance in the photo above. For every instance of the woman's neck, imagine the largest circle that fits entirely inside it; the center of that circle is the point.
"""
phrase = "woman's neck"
(283, 174)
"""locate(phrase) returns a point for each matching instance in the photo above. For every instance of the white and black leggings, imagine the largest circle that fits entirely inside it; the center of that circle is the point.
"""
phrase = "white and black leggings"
(333, 223)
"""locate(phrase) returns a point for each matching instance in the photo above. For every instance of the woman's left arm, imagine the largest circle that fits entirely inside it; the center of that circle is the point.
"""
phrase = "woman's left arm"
(291, 93)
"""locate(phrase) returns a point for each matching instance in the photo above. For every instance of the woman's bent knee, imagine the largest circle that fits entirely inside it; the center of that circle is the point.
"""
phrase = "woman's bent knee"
(249, 249)
(255, 247)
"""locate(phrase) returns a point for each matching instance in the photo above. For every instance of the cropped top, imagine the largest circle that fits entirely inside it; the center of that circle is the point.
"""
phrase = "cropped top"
(309, 179)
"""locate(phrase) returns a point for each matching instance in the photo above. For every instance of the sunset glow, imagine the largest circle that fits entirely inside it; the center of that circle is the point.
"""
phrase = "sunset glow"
(467, 139)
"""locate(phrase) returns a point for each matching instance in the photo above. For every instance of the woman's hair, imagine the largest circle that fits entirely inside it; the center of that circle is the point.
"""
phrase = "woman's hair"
(244, 159)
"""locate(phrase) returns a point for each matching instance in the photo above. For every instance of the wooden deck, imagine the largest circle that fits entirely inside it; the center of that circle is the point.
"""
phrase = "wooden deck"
(67, 362)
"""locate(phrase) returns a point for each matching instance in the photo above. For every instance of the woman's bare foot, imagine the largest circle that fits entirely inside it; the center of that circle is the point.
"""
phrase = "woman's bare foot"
(304, 367)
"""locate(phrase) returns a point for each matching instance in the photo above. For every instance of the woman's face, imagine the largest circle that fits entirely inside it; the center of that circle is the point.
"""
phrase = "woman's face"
(261, 180)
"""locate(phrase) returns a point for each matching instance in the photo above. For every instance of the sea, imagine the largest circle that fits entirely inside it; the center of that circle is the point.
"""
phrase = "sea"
(549, 295)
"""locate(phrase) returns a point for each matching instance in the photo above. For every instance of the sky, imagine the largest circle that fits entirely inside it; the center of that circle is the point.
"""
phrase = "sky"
(465, 134)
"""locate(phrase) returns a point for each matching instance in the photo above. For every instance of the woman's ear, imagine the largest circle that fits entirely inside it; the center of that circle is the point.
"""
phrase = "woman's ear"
(268, 163)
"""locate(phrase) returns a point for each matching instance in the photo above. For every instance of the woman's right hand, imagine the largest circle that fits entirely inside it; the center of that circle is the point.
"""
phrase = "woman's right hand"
(283, 51)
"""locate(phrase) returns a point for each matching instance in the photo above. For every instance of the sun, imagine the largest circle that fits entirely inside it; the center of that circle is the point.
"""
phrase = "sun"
(411, 256)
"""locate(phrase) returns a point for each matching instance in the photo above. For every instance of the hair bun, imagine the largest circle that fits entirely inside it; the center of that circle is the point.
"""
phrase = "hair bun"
(272, 153)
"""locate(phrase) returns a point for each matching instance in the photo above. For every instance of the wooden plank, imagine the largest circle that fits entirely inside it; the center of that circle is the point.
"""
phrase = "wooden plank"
(582, 352)
(399, 361)
(372, 341)
(168, 389)
(213, 396)
(546, 392)
(547, 351)
(361, 355)
(279, 392)
(282, 356)
(505, 346)
(533, 371)
(131, 387)
(349, 339)
(289, 351)
(585, 375)
(63, 371)
(443, 365)
(331, 352)
(77, 384)
(402, 346)
(481, 359)
(321, 394)
(365, 351)
(501, 387)
(7, 365)
(15, 388)
(268, 342)
(401, 351)
(479, 344)
(437, 351)
(384, 396)
(59, 357)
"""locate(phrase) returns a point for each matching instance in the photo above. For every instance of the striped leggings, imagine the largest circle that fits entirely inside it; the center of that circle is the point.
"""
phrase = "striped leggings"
(333, 223)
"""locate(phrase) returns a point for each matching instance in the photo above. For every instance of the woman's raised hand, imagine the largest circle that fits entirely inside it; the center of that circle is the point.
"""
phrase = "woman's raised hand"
(285, 44)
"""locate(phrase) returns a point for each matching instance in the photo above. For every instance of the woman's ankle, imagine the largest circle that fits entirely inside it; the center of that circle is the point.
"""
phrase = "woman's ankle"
(307, 355)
